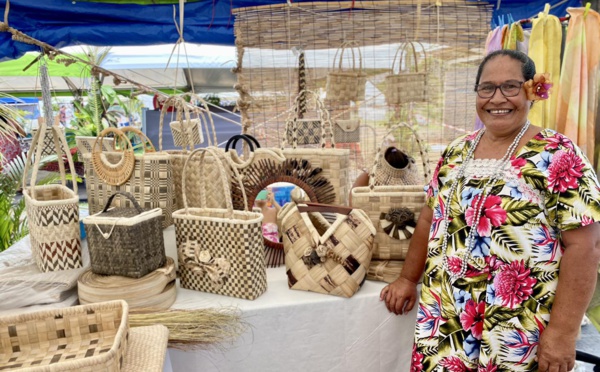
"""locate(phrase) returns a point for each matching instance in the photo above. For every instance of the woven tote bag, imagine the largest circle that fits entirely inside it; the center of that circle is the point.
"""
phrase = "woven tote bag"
(393, 209)
(344, 85)
(187, 131)
(125, 241)
(303, 131)
(52, 210)
(346, 130)
(255, 155)
(150, 183)
(220, 250)
(323, 257)
(409, 84)
(335, 165)
(210, 170)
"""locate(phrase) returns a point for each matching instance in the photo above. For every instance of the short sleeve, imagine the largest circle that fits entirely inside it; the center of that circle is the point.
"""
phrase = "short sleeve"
(573, 189)
(432, 188)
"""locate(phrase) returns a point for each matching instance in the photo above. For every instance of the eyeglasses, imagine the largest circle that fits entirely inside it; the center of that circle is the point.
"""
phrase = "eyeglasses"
(509, 88)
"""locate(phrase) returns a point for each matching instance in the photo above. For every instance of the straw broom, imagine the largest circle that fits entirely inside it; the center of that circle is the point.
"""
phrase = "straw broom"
(194, 329)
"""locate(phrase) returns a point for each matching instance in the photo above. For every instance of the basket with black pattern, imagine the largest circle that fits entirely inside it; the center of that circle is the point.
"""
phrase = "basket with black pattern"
(220, 250)
(300, 130)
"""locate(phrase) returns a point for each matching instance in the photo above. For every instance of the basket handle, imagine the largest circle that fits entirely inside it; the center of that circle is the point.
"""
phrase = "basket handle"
(137, 206)
(250, 140)
(323, 116)
(401, 49)
(348, 45)
(118, 134)
(60, 143)
(327, 208)
(148, 146)
(422, 150)
(223, 176)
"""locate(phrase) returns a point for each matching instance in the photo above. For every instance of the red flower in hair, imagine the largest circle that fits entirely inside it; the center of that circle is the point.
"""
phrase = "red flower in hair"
(538, 88)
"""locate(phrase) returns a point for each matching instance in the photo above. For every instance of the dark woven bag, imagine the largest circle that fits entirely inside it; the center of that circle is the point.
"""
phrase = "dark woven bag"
(125, 241)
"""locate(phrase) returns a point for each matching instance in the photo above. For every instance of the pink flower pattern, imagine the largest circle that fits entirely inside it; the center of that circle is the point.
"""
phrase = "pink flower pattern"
(564, 171)
(471, 318)
(416, 364)
(513, 284)
(453, 364)
(492, 214)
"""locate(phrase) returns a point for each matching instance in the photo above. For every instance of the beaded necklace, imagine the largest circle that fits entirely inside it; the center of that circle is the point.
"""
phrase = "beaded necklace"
(496, 174)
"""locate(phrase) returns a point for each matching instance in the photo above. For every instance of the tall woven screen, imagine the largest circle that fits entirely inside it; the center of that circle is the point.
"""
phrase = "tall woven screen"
(270, 38)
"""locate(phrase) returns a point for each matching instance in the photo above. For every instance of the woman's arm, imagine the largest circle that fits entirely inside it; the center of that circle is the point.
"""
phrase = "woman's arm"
(576, 283)
(401, 295)
(361, 180)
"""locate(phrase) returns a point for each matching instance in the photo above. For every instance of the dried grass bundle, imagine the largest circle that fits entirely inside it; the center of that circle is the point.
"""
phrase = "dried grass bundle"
(194, 329)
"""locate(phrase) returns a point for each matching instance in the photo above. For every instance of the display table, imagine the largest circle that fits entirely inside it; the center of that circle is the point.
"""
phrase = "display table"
(288, 330)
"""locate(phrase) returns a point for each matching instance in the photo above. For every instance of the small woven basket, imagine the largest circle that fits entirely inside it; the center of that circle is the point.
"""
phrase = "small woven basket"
(88, 338)
(344, 85)
(407, 85)
(125, 241)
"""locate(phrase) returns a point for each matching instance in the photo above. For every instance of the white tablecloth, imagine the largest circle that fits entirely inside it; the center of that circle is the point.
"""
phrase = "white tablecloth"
(302, 331)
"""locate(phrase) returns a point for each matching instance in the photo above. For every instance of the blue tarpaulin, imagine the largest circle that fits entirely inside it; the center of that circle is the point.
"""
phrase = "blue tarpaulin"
(69, 22)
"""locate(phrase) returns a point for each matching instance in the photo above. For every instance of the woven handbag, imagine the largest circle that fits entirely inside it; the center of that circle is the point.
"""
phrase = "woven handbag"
(303, 131)
(255, 155)
(210, 169)
(345, 85)
(187, 131)
(113, 173)
(150, 183)
(324, 257)
(409, 84)
(334, 163)
(393, 209)
(220, 250)
(125, 241)
(52, 210)
(88, 338)
(346, 131)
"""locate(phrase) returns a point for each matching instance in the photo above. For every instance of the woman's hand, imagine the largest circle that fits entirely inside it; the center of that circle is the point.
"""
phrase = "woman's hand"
(556, 351)
(400, 296)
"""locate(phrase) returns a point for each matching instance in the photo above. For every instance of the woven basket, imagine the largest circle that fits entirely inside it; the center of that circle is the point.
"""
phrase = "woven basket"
(151, 183)
(187, 132)
(210, 169)
(393, 209)
(155, 290)
(146, 349)
(88, 338)
(52, 210)
(85, 144)
(344, 85)
(256, 154)
(220, 250)
(384, 270)
(303, 131)
(125, 241)
(408, 85)
(323, 257)
(113, 173)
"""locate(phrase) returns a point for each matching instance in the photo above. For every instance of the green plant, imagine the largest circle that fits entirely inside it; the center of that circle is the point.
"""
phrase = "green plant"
(213, 99)
(13, 224)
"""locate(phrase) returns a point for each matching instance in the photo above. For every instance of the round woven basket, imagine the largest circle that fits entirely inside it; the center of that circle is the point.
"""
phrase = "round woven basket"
(156, 290)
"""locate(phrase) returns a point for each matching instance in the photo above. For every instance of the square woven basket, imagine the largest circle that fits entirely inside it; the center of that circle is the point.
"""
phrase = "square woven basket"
(88, 338)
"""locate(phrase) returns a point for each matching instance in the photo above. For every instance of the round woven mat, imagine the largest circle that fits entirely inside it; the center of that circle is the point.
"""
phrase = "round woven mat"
(146, 349)
(156, 290)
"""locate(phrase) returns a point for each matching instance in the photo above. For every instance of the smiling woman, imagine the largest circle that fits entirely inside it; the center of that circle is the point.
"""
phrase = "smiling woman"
(507, 208)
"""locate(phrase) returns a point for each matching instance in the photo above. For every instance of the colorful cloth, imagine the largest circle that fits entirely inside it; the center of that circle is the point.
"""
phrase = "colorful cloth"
(492, 319)
(269, 231)
(9, 148)
(576, 112)
(545, 45)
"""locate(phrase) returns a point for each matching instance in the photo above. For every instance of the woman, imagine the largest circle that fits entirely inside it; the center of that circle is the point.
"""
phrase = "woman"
(508, 206)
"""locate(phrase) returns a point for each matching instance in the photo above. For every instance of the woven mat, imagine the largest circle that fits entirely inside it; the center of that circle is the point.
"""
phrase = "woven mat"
(146, 349)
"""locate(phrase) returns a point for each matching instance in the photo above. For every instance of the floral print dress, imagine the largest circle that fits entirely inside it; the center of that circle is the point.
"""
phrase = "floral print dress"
(491, 319)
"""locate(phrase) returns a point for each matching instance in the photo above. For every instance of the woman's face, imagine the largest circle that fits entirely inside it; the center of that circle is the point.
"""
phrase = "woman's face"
(502, 115)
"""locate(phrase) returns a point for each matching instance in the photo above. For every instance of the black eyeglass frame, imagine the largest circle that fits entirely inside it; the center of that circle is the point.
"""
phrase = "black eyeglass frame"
(496, 87)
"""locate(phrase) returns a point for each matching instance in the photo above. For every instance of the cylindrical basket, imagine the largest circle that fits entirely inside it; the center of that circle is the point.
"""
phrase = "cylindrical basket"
(125, 241)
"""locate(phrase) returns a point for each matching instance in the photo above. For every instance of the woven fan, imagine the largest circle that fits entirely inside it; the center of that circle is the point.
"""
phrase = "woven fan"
(298, 172)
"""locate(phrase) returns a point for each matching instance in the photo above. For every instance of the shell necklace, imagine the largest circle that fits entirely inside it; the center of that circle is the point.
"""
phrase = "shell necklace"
(496, 174)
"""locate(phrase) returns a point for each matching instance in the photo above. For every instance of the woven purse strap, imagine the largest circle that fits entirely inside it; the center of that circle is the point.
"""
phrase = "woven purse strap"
(348, 45)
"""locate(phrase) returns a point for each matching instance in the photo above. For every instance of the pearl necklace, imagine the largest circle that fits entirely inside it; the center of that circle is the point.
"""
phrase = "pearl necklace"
(496, 174)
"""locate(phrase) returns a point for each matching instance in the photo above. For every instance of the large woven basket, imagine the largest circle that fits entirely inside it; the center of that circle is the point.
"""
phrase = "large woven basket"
(88, 338)
(52, 210)
(125, 241)
(155, 290)
(393, 209)
(346, 84)
(409, 84)
(324, 257)
(255, 155)
(220, 250)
